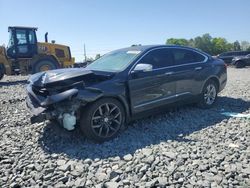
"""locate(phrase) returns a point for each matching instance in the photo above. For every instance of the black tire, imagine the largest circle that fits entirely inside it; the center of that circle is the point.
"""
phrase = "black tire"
(240, 64)
(97, 124)
(1, 76)
(44, 65)
(2, 70)
(209, 95)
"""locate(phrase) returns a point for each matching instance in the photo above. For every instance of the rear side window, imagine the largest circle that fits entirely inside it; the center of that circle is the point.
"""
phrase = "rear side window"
(184, 56)
(159, 58)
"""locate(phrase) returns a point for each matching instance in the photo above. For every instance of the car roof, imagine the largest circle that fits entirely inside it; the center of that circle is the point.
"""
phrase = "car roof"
(148, 47)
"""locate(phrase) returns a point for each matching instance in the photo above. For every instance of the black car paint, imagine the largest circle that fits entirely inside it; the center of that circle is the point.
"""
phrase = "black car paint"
(245, 59)
(137, 91)
(2, 70)
(227, 57)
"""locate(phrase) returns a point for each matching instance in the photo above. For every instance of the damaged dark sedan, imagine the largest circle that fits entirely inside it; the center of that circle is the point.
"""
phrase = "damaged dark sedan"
(111, 91)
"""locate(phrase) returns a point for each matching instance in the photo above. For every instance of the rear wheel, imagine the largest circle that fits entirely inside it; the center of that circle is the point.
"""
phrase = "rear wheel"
(102, 120)
(208, 95)
(240, 64)
(44, 65)
(1, 75)
(2, 70)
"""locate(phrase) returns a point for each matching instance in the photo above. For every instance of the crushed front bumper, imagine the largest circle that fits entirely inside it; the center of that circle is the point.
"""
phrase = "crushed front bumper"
(37, 112)
(40, 106)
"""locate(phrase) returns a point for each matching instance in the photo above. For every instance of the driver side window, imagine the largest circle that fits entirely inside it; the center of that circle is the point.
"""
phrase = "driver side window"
(159, 58)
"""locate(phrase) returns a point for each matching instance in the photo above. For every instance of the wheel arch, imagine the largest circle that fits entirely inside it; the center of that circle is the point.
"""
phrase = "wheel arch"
(243, 63)
(125, 105)
(215, 79)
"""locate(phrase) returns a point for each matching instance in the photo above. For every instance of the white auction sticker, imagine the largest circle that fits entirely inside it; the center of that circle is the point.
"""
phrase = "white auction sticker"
(133, 52)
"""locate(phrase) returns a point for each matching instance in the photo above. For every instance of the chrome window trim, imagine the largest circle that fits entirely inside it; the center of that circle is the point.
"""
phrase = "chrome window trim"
(167, 47)
(162, 99)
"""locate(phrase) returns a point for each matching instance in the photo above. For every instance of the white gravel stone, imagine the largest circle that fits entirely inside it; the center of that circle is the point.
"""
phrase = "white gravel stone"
(184, 147)
(128, 157)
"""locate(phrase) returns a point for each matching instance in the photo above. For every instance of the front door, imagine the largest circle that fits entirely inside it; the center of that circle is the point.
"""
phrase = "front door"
(153, 88)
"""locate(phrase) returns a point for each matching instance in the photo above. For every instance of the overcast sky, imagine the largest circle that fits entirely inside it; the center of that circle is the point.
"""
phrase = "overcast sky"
(105, 25)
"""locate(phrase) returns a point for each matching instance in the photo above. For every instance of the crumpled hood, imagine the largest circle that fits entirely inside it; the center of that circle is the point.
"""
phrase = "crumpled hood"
(69, 75)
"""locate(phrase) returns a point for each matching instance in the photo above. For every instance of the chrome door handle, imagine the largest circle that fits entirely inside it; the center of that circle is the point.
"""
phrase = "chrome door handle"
(198, 68)
(169, 73)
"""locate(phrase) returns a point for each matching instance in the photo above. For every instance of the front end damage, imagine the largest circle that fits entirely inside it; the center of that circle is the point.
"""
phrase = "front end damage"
(59, 99)
(62, 107)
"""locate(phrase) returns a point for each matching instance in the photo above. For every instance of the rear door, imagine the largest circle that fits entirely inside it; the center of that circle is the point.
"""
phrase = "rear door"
(156, 87)
(189, 67)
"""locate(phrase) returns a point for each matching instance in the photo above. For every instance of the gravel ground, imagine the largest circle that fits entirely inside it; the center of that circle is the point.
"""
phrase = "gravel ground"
(185, 147)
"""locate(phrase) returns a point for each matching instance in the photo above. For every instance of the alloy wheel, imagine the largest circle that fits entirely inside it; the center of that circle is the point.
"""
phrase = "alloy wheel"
(106, 120)
(210, 94)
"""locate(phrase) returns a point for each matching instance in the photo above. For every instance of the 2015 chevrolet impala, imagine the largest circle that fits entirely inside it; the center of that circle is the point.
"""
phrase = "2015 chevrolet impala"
(109, 92)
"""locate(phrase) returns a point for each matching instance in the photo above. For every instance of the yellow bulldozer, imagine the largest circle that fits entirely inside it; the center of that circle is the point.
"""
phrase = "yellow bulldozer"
(24, 55)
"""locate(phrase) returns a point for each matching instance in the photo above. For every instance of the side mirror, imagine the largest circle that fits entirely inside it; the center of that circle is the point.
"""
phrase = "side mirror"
(141, 67)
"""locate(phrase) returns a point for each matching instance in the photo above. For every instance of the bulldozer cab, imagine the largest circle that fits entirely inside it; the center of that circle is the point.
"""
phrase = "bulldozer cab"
(22, 42)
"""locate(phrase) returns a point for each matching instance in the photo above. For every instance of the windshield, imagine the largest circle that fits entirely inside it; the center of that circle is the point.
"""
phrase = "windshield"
(115, 61)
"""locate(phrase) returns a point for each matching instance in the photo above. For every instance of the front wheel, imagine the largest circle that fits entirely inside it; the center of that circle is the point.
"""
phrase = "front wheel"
(208, 95)
(102, 120)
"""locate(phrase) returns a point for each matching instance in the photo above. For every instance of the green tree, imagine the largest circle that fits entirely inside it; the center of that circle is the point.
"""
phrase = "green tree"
(90, 59)
(191, 43)
(204, 43)
(220, 45)
(97, 56)
(237, 46)
(182, 42)
(209, 44)
(245, 45)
